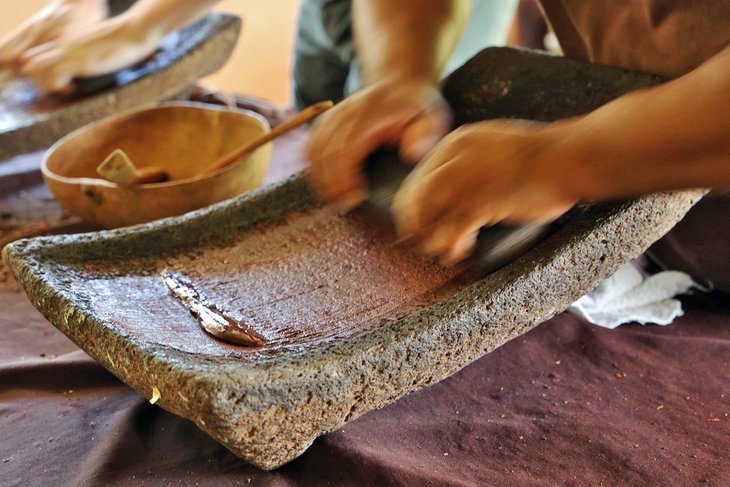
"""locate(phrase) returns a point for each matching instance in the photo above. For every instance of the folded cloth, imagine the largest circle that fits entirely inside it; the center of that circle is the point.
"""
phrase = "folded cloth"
(630, 296)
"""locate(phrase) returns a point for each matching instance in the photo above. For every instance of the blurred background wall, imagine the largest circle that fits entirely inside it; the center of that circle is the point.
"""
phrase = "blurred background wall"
(259, 65)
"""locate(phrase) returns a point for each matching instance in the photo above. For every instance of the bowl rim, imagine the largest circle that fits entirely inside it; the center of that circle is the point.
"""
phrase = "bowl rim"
(48, 173)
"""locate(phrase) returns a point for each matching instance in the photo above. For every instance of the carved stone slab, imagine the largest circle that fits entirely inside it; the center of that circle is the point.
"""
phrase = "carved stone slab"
(357, 345)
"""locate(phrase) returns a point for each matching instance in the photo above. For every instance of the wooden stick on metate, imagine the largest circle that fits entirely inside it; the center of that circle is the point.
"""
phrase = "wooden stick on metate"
(304, 116)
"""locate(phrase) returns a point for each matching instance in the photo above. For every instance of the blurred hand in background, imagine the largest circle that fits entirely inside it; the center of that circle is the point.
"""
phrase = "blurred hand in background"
(76, 38)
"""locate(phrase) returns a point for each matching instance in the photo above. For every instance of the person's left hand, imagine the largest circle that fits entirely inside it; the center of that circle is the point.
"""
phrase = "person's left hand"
(61, 18)
(100, 49)
(482, 174)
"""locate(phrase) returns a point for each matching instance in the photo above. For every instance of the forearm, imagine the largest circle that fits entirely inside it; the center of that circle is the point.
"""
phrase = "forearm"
(407, 39)
(154, 19)
(674, 136)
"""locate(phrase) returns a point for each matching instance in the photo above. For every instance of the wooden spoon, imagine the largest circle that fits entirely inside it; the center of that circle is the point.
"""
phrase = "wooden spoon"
(304, 116)
(118, 168)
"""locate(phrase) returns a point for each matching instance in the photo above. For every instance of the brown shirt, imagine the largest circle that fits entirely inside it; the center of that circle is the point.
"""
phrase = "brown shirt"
(669, 38)
(665, 37)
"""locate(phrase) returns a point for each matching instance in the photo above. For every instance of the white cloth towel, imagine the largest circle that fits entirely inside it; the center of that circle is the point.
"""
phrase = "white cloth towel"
(630, 296)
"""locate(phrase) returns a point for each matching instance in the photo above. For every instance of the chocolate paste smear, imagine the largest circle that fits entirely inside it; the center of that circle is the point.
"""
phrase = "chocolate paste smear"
(212, 319)
(313, 278)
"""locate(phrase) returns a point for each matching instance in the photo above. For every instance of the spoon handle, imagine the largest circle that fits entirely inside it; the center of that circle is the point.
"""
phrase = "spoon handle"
(304, 116)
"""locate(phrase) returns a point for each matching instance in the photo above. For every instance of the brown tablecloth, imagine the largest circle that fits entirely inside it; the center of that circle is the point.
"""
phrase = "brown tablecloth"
(566, 404)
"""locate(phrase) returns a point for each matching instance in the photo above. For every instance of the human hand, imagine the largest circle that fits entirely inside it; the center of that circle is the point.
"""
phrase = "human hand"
(410, 115)
(100, 49)
(61, 18)
(70, 39)
(482, 174)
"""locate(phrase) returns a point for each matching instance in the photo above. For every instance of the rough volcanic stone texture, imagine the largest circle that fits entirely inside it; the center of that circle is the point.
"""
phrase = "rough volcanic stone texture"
(183, 57)
(269, 411)
(520, 83)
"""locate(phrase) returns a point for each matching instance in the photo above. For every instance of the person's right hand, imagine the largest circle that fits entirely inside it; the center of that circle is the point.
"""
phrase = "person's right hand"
(60, 19)
(409, 115)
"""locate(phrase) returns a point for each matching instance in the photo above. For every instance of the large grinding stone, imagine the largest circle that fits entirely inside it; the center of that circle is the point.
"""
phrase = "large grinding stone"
(268, 405)
(29, 122)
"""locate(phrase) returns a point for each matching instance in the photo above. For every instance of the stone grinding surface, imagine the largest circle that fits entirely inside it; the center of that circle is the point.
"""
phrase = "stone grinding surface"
(27, 207)
(33, 203)
(315, 277)
(269, 412)
(19, 99)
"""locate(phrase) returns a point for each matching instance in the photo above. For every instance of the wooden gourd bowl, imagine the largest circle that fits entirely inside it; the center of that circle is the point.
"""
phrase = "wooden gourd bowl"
(183, 138)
